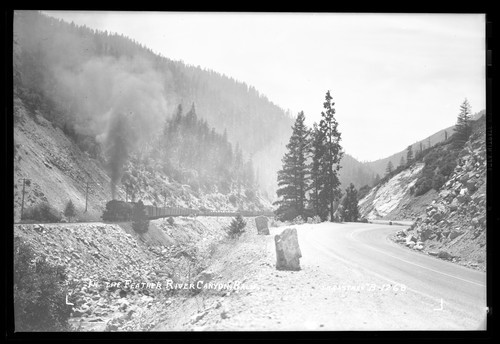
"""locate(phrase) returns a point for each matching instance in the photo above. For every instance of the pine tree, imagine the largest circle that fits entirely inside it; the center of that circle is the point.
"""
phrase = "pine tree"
(409, 154)
(402, 162)
(463, 126)
(330, 160)
(293, 179)
(389, 168)
(236, 228)
(376, 180)
(350, 204)
(70, 210)
(317, 204)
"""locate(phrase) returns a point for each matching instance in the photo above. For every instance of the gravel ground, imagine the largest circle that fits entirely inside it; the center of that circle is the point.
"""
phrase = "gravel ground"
(311, 299)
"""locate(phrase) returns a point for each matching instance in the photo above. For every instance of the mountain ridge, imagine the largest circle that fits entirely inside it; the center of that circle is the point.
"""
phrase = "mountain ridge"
(379, 165)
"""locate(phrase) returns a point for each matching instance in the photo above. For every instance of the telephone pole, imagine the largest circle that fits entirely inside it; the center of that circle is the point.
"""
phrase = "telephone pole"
(86, 195)
(22, 199)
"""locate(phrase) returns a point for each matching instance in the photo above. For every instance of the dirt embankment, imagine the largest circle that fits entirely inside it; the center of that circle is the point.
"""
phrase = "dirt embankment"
(98, 256)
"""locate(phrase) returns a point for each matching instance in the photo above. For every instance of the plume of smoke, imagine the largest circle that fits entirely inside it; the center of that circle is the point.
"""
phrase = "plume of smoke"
(119, 101)
(118, 144)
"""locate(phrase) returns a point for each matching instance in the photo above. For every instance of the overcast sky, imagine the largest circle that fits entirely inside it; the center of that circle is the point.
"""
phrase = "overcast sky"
(395, 78)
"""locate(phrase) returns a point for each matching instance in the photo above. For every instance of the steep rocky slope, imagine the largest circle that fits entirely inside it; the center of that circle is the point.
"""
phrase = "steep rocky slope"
(449, 223)
(58, 171)
(454, 224)
(96, 255)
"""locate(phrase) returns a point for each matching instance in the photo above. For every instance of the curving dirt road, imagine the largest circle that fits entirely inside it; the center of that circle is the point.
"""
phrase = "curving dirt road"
(352, 278)
(453, 292)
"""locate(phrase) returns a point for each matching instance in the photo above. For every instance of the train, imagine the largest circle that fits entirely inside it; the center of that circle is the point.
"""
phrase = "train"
(122, 211)
(154, 212)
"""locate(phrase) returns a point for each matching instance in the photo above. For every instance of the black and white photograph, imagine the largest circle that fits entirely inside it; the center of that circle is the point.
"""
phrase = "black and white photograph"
(180, 171)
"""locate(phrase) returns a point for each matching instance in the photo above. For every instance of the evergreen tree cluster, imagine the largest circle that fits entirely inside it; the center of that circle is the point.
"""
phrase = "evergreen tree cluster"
(308, 183)
(192, 152)
(350, 204)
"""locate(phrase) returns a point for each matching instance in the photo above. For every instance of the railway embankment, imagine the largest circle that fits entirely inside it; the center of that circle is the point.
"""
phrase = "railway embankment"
(114, 274)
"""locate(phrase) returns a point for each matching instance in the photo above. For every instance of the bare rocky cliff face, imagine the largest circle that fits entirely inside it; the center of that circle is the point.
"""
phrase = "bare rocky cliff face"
(56, 168)
(382, 200)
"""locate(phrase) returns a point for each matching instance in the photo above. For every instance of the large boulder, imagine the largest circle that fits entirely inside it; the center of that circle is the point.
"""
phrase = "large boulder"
(425, 233)
(438, 217)
(455, 233)
(444, 255)
(454, 204)
(445, 193)
(261, 224)
(287, 250)
(471, 185)
(410, 238)
(463, 196)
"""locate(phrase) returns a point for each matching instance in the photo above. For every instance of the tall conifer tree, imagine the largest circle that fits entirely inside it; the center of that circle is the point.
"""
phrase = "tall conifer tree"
(389, 168)
(332, 154)
(293, 178)
(409, 154)
(317, 204)
(463, 127)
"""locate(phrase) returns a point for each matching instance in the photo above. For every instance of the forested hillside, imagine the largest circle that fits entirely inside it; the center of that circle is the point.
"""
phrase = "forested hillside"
(355, 172)
(90, 83)
(192, 153)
